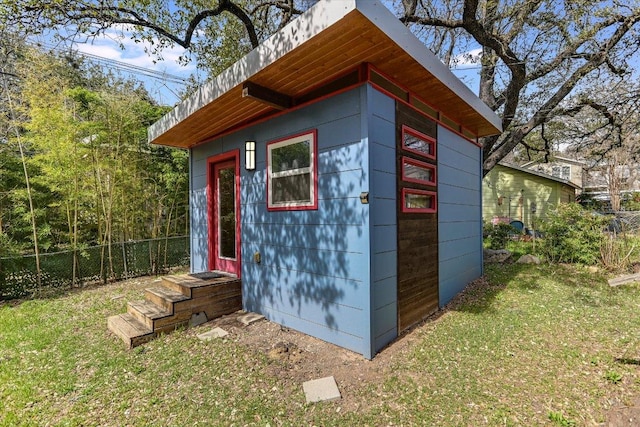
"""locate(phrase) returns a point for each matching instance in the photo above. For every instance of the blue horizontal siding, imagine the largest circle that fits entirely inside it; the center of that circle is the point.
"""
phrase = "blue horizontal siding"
(335, 211)
(380, 157)
(383, 193)
(199, 230)
(319, 330)
(315, 264)
(385, 237)
(386, 292)
(458, 230)
(456, 176)
(384, 184)
(452, 194)
(459, 214)
(458, 273)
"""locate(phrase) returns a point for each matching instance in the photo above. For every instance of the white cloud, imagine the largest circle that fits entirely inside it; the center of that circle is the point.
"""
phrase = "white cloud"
(132, 52)
(468, 59)
(116, 44)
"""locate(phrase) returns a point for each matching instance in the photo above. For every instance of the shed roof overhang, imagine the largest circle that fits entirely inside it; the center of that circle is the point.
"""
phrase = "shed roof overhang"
(330, 38)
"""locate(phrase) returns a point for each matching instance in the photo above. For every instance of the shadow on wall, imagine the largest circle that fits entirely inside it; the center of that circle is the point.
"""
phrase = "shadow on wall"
(314, 263)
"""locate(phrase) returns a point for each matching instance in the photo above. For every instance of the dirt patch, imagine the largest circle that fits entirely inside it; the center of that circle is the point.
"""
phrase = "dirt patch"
(624, 415)
(295, 357)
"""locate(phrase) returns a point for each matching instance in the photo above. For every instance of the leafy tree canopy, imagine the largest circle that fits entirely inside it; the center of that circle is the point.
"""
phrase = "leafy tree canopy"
(536, 54)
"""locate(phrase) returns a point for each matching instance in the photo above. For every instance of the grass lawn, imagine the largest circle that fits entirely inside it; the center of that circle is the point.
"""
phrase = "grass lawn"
(531, 345)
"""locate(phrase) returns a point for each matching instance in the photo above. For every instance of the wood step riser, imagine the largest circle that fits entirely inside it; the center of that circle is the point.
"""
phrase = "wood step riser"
(159, 301)
(130, 337)
(143, 322)
(170, 328)
(221, 308)
(184, 290)
(213, 287)
(218, 289)
(162, 322)
(194, 305)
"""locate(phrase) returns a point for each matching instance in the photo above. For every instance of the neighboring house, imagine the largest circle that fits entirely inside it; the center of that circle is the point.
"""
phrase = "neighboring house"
(599, 179)
(515, 193)
(561, 167)
(335, 170)
(593, 180)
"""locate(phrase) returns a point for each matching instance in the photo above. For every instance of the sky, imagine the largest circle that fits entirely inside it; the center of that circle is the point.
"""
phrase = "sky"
(162, 78)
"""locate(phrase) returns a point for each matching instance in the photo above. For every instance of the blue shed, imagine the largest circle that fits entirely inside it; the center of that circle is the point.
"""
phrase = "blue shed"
(336, 171)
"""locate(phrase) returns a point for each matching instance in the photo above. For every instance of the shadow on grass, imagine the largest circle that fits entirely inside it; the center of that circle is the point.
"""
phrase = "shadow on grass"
(479, 296)
(627, 361)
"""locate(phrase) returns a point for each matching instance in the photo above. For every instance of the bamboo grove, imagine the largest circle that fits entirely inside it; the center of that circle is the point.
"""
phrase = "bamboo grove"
(75, 166)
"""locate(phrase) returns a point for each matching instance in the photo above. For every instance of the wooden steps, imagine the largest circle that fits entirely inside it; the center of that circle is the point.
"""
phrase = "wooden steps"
(172, 304)
(129, 329)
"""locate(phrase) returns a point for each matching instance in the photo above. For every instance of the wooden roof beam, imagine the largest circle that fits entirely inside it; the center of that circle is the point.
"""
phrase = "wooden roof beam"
(267, 96)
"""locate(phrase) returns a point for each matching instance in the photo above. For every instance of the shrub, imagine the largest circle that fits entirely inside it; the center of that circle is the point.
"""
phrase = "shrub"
(499, 234)
(573, 235)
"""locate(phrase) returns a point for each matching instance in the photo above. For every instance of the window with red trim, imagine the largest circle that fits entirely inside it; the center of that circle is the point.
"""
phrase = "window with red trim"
(418, 172)
(421, 201)
(418, 143)
(291, 173)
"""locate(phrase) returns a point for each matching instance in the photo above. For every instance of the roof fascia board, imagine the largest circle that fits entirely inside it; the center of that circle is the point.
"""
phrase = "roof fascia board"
(403, 37)
(312, 22)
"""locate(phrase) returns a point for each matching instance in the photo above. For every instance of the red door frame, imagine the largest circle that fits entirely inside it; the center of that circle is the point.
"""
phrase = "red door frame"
(212, 220)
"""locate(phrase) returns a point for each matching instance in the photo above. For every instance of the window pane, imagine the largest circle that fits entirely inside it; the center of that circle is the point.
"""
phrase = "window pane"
(292, 156)
(418, 173)
(294, 188)
(227, 212)
(413, 142)
(418, 201)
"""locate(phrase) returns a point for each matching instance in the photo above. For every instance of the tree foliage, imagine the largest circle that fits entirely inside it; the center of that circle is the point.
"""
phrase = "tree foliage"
(536, 54)
(574, 235)
(96, 179)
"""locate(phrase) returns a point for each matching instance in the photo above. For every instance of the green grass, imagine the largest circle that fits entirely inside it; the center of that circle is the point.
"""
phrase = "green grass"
(534, 345)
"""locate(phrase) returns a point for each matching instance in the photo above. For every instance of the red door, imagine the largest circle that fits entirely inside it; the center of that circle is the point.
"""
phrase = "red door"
(224, 214)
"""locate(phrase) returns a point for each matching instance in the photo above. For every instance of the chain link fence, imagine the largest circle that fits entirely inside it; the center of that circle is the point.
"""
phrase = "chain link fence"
(629, 221)
(96, 264)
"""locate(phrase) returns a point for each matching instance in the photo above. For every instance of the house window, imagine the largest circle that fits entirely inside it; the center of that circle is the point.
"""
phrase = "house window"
(563, 172)
(291, 173)
(414, 200)
(418, 143)
(418, 172)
